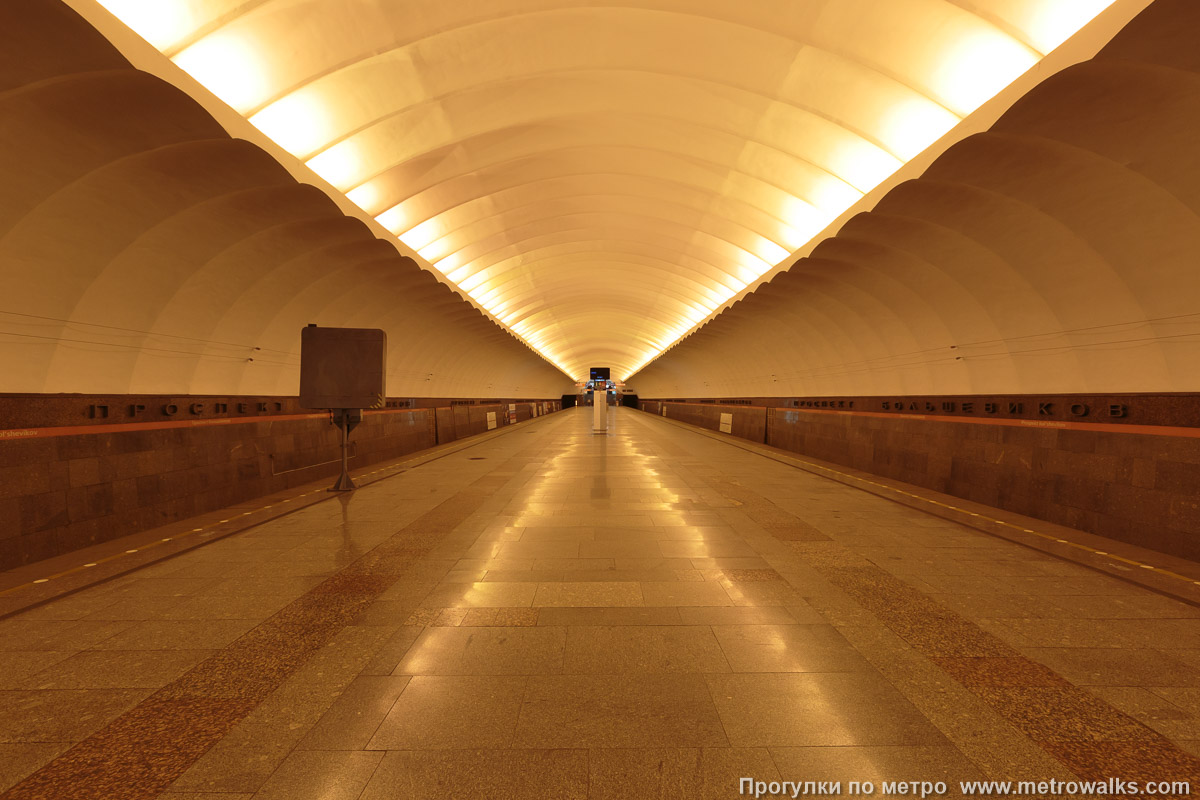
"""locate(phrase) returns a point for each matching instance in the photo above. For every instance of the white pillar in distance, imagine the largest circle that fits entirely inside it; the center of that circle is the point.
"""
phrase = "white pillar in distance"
(599, 411)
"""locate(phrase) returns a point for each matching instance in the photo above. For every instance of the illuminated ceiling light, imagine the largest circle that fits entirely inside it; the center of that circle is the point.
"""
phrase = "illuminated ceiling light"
(831, 196)
(161, 24)
(470, 282)
(861, 164)
(486, 295)
(1054, 23)
(230, 67)
(913, 124)
(794, 237)
(365, 196)
(787, 178)
(301, 123)
(393, 219)
(341, 165)
(450, 270)
(437, 249)
(978, 66)
(428, 238)
(770, 252)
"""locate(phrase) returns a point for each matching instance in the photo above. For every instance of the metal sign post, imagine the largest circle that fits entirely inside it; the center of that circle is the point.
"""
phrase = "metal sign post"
(344, 482)
(345, 371)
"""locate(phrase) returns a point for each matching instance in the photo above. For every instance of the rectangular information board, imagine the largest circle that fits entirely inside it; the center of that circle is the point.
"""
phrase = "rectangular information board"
(343, 367)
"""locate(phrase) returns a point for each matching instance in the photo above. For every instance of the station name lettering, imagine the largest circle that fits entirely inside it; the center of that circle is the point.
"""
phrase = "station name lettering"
(172, 410)
(1008, 408)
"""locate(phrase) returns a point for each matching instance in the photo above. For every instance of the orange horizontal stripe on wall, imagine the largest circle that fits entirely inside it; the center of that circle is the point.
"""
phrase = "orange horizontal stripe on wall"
(13, 434)
(1146, 430)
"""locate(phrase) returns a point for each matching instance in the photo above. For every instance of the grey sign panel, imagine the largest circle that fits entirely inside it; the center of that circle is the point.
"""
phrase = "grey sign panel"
(342, 367)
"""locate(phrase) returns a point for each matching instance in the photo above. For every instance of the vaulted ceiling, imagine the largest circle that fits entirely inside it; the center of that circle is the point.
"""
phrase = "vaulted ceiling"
(602, 177)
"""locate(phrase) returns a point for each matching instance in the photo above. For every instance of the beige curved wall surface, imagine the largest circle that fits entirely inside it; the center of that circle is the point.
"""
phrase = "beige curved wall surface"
(143, 250)
(1056, 252)
(602, 177)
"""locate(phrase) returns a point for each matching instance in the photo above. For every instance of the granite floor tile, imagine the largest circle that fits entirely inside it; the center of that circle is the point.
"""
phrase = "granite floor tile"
(710, 773)
(31, 635)
(684, 593)
(811, 709)
(631, 650)
(1162, 634)
(706, 550)
(748, 615)
(788, 648)
(486, 651)
(480, 594)
(572, 594)
(242, 761)
(16, 666)
(651, 614)
(61, 715)
(116, 669)
(385, 658)
(605, 616)
(655, 563)
(620, 549)
(618, 711)
(877, 764)
(523, 576)
(737, 562)
(771, 593)
(177, 635)
(356, 715)
(324, 775)
(551, 774)
(203, 607)
(1063, 714)
(460, 712)
(1152, 710)
(18, 759)
(1104, 666)
(1187, 698)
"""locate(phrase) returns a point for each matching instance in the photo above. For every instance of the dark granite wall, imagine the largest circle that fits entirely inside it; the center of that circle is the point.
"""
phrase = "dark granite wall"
(1118, 479)
(59, 492)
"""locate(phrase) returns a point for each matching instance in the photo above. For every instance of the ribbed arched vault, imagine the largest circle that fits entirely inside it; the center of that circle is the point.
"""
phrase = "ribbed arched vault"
(602, 177)
(144, 250)
(1056, 252)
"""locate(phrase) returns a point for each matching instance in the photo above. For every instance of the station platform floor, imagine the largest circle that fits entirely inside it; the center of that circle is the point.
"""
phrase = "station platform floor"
(549, 613)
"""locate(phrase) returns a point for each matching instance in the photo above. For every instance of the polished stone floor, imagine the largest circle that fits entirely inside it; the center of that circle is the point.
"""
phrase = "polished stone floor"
(651, 613)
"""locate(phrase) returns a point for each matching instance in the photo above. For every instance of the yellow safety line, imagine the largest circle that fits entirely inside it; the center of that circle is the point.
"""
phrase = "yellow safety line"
(208, 530)
(1047, 537)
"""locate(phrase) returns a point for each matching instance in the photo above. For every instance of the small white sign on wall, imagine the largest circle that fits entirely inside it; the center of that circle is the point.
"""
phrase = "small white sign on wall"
(491, 416)
(727, 423)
